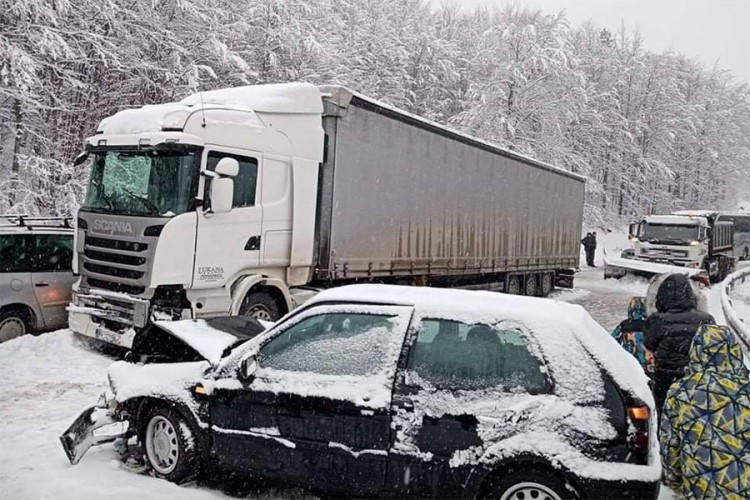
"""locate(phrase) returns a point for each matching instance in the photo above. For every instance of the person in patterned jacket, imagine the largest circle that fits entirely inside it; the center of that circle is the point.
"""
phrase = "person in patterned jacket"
(705, 427)
(629, 333)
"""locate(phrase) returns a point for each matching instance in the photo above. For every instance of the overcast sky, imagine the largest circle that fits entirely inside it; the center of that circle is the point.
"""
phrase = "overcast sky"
(711, 30)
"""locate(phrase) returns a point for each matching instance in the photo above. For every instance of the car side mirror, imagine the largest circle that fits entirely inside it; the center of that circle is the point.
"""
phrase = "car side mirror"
(248, 367)
(222, 194)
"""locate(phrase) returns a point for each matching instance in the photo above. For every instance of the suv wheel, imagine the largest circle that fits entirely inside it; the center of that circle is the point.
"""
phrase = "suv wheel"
(13, 323)
(169, 445)
(532, 483)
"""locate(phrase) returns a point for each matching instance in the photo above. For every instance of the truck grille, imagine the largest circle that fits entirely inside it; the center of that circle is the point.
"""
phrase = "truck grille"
(116, 265)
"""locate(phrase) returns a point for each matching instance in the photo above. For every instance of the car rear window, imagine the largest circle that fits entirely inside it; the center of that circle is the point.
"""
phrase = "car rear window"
(455, 355)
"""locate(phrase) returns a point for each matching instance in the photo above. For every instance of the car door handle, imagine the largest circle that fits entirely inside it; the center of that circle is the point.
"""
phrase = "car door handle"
(253, 243)
(41, 284)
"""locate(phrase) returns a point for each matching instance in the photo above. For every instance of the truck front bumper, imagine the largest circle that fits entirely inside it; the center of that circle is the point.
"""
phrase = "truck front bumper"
(83, 324)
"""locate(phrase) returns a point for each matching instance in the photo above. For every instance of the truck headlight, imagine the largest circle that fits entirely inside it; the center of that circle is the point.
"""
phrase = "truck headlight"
(695, 243)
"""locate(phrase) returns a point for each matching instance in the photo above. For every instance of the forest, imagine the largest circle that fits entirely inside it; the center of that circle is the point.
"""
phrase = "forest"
(650, 131)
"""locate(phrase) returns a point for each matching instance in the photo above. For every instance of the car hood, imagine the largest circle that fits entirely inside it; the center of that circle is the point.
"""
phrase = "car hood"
(192, 340)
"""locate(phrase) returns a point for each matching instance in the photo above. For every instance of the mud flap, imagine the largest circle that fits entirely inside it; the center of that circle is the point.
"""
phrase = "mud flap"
(80, 436)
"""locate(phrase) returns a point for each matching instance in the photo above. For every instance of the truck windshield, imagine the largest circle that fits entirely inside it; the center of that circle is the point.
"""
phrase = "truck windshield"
(670, 232)
(143, 182)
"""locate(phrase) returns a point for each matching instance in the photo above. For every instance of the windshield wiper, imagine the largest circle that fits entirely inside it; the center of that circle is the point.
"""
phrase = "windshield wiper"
(146, 202)
(104, 195)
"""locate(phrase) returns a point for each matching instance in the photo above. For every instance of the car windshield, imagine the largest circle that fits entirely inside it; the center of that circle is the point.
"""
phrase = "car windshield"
(669, 232)
(143, 182)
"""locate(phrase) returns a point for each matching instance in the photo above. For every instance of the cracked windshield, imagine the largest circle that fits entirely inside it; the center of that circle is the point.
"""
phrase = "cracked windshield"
(142, 183)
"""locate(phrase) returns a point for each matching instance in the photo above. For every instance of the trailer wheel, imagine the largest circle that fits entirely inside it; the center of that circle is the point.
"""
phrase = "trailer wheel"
(547, 285)
(514, 286)
(260, 305)
(530, 286)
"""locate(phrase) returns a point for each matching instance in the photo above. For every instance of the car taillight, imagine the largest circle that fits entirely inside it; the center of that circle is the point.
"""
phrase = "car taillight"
(639, 416)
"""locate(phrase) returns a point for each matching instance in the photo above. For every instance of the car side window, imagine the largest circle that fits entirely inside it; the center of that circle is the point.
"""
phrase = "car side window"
(15, 256)
(332, 344)
(245, 181)
(455, 355)
(53, 252)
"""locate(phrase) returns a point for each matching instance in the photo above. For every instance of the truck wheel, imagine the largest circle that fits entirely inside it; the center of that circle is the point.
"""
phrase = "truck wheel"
(530, 285)
(169, 445)
(514, 285)
(13, 323)
(547, 285)
(531, 483)
(746, 254)
(260, 305)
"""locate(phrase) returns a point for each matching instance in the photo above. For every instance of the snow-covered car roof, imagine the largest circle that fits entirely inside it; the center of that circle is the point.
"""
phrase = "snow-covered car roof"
(556, 325)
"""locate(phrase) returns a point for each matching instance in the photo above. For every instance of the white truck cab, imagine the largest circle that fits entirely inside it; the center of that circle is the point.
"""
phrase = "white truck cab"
(164, 173)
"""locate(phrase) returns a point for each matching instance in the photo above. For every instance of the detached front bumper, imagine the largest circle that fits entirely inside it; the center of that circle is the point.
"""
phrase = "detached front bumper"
(96, 425)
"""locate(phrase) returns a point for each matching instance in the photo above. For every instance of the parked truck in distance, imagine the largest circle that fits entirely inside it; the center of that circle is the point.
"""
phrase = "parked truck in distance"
(248, 201)
(700, 242)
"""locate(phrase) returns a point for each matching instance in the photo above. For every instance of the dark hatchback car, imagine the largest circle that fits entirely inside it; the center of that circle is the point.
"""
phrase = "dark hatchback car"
(394, 391)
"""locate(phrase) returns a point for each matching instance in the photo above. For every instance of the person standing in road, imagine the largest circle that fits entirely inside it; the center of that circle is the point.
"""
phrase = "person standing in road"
(589, 246)
(705, 426)
(670, 331)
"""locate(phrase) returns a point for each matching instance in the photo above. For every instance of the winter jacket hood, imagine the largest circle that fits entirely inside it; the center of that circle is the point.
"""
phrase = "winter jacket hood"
(675, 294)
(716, 349)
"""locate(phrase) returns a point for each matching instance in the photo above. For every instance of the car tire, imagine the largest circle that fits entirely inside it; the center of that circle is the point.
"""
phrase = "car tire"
(536, 483)
(13, 323)
(169, 445)
(261, 306)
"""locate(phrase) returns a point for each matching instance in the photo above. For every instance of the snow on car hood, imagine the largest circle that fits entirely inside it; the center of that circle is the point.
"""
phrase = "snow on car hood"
(198, 334)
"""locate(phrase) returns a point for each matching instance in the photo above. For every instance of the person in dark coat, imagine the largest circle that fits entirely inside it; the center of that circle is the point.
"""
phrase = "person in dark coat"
(670, 331)
(589, 246)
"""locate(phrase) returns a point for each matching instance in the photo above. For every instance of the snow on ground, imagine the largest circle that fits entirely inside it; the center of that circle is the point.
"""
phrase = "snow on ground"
(741, 301)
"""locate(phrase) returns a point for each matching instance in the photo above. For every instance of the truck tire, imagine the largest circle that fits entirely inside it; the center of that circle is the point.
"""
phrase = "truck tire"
(14, 323)
(260, 305)
(169, 445)
(530, 286)
(547, 285)
(514, 285)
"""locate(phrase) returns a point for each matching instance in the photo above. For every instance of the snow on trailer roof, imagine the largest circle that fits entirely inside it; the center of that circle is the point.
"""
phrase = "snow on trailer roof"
(343, 95)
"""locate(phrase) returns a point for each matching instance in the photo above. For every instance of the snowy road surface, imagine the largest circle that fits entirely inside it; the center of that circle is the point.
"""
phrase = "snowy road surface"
(50, 378)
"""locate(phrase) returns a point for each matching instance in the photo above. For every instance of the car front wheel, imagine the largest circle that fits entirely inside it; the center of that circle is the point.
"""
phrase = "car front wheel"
(532, 484)
(169, 445)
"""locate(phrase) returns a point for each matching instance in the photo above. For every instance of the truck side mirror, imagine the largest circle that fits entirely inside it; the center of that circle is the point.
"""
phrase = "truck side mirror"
(227, 167)
(633, 230)
(80, 159)
(222, 194)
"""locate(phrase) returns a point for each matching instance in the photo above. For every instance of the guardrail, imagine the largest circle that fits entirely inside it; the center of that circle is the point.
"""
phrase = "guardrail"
(741, 328)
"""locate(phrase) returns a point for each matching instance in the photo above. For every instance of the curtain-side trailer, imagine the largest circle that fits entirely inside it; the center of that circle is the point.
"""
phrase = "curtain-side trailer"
(248, 200)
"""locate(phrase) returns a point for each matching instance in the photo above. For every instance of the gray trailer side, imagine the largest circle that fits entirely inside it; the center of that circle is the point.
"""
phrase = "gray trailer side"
(403, 197)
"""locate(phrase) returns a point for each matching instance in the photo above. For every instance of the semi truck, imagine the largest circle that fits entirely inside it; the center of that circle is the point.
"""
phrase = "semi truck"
(248, 201)
(686, 241)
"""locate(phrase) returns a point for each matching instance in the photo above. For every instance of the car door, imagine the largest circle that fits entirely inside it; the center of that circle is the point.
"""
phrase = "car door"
(459, 383)
(15, 271)
(52, 276)
(231, 241)
(318, 410)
